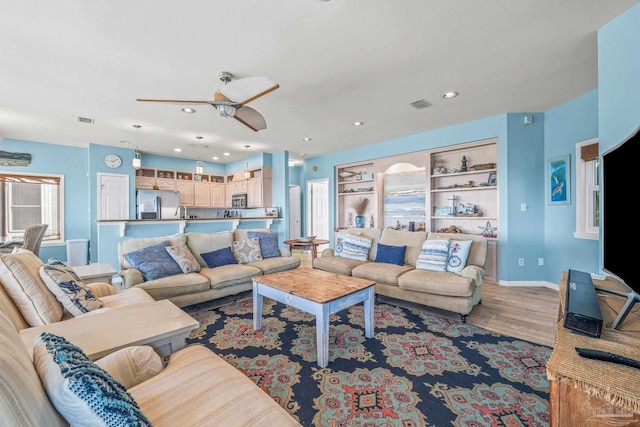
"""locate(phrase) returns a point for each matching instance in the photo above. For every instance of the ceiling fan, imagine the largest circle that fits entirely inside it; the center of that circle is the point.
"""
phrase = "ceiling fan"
(232, 98)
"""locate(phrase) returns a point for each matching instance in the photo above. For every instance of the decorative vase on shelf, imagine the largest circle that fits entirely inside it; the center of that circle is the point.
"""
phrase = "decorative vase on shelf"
(360, 221)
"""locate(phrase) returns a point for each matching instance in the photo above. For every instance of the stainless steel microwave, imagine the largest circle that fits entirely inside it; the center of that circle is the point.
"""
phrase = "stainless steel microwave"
(239, 201)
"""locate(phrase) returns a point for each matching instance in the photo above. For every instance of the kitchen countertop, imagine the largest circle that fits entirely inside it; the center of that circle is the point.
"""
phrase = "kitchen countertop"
(187, 219)
(122, 223)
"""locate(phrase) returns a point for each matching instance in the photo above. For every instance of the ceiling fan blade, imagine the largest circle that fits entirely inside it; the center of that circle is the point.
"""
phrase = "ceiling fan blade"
(174, 101)
(250, 118)
(246, 90)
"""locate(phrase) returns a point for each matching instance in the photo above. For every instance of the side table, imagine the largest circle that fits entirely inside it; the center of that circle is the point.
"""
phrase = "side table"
(95, 273)
(312, 245)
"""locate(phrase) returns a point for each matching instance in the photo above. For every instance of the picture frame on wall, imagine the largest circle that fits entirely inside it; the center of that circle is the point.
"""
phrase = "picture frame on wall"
(558, 180)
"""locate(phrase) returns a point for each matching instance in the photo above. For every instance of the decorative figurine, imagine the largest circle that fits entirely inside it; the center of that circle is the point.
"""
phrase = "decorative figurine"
(463, 168)
(371, 225)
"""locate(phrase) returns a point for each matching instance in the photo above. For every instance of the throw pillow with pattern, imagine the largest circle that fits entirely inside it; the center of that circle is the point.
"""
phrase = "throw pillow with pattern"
(184, 258)
(247, 250)
(81, 391)
(353, 247)
(458, 254)
(433, 255)
(154, 261)
(69, 289)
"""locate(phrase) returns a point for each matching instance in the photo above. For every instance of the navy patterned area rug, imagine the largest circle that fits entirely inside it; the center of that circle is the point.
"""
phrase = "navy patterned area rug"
(418, 370)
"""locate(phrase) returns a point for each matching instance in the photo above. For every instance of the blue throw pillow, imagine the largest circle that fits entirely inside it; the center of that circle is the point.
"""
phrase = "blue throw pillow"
(219, 257)
(391, 254)
(154, 261)
(268, 243)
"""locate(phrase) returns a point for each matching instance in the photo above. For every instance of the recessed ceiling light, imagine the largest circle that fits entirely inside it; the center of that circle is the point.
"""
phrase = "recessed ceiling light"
(125, 142)
(358, 123)
(449, 95)
(215, 157)
(226, 154)
(188, 110)
(306, 139)
(177, 150)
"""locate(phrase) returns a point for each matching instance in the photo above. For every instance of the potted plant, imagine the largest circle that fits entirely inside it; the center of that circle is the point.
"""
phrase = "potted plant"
(360, 206)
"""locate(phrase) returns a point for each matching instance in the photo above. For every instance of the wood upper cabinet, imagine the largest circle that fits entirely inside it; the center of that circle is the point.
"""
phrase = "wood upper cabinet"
(186, 192)
(202, 194)
(145, 182)
(254, 193)
(166, 184)
(217, 195)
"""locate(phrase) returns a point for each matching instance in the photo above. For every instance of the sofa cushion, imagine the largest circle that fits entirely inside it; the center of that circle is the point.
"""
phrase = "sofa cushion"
(434, 255)
(413, 240)
(371, 233)
(172, 286)
(381, 272)
(81, 391)
(184, 258)
(391, 254)
(458, 253)
(353, 247)
(20, 276)
(437, 282)
(136, 243)
(247, 250)
(154, 261)
(202, 243)
(268, 243)
(69, 289)
(219, 257)
(276, 265)
(336, 264)
(230, 275)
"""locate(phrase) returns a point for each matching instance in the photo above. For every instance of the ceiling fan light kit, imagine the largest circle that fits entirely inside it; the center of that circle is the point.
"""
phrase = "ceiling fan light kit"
(232, 98)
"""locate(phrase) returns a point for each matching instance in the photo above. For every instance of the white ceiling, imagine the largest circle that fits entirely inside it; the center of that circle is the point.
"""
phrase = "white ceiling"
(336, 62)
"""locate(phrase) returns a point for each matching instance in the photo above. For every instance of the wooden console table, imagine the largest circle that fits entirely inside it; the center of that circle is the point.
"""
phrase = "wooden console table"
(591, 392)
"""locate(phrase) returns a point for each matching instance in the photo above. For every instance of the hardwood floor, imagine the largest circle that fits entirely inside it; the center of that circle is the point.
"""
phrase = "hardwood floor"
(528, 313)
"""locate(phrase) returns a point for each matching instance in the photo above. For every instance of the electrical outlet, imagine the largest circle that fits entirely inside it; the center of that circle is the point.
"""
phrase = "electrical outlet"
(540, 261)
(521, 262)
(523, 207)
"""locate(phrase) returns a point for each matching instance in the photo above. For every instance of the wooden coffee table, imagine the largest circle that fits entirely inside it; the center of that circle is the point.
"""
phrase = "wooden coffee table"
(313, 245)
(316, 292)
(160, 324)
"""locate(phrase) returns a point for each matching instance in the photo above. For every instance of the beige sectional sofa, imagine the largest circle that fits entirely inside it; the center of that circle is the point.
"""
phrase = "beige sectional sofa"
(208, 283)
(441, 289)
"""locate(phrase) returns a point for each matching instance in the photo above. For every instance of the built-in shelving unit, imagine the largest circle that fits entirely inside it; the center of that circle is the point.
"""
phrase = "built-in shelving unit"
(355, 180)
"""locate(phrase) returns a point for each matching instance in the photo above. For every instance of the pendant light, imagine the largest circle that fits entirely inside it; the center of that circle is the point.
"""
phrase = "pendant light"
(199, 164)
(247, 174)
(137, 159)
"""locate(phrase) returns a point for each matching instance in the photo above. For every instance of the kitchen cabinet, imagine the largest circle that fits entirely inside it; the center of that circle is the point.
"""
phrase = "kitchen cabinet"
(217, 195)
(202, 194)
(185, 188)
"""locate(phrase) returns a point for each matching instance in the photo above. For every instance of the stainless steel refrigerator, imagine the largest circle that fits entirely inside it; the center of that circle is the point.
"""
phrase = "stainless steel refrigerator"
(157, 204)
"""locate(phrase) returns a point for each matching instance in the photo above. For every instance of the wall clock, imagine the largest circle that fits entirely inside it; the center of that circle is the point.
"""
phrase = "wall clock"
(113, 161)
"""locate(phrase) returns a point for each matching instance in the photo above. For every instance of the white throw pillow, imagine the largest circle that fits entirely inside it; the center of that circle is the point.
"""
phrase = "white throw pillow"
(458, 254)
(19, 274)
(69, 289)
(434, 255)
(353, 247)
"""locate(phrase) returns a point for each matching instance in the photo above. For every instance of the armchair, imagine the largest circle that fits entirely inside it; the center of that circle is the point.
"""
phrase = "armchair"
(31, 240)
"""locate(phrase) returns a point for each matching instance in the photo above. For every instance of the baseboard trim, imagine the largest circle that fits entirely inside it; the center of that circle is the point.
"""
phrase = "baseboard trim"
(532, 283)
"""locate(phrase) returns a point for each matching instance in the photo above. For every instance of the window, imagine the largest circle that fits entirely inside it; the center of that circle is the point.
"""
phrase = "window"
(31, 199)
(587, 190)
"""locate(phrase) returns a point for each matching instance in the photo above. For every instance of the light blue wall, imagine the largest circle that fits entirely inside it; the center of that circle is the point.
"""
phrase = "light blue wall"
(566, 125)
(619, 82)
(72, 163)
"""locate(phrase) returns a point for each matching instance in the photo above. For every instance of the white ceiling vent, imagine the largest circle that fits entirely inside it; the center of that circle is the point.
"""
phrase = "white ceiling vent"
(85, 120)
(198, 145)
(420, 104)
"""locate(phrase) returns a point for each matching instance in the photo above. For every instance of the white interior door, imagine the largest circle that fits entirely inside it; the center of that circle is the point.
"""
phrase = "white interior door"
(113, 196)
(295, 212)
(318, 209)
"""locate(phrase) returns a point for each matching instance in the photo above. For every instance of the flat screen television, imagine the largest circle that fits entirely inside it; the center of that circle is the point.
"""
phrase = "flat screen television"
(619, 258)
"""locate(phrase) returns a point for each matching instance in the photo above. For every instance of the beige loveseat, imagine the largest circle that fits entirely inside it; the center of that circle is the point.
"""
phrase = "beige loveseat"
(196, 388)
(441, 289)
(208, 283)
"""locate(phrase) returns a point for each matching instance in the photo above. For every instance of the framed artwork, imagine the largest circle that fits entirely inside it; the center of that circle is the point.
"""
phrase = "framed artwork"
(559, 180)
(492, 179)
